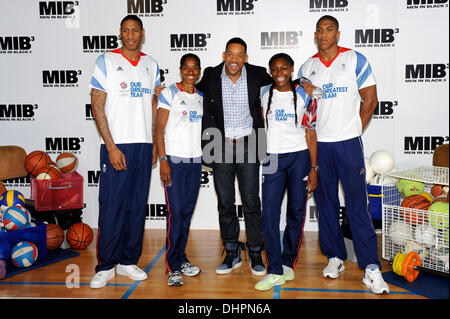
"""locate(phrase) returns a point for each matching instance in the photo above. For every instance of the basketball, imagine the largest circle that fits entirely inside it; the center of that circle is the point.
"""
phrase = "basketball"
(11, 198)
(16, 217)
(35, 161)
(79, 236)
(67, 162)
(382, 162)
(416, 202)
(55, 236)
(441, 198)
(48, 172)
(24, 254)
(437, 190)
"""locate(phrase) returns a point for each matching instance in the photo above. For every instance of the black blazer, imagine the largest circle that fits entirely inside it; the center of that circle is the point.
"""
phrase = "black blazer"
(211, 86)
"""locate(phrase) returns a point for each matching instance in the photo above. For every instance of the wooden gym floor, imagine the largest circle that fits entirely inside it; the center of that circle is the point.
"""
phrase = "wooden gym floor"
(204, 250)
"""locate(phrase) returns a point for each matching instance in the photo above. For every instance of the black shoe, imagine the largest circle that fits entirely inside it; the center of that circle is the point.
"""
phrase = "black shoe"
(256, 262)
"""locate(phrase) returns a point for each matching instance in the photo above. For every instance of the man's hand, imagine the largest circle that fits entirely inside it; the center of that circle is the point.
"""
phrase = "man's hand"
(312, 90)
(158, 90)
(165, 172)
(154, 156)
(117, 159)
(313, 180)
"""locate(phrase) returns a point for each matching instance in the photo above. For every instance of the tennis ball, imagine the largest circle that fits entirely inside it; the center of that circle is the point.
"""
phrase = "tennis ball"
(409, 187)
(439, 217)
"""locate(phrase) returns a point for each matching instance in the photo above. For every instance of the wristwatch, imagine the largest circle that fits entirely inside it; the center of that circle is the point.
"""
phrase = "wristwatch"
(163, 158)
(316, 168)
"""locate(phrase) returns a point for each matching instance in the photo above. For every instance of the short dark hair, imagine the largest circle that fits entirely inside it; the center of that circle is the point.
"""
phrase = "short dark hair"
(238, 41)
(284, 56)
(189, 55)
(331, 18)
(134, 18)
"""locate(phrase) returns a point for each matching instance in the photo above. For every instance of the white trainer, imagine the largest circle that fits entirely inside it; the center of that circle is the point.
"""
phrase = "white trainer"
(101, 278)
(131, 271)
(334, 267)
(374, 280)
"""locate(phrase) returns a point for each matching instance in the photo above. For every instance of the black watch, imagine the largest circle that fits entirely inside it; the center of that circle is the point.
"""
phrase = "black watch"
(316, 168)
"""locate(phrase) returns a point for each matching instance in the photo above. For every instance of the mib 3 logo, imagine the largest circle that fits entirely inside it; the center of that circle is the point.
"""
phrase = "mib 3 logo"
(88, 112)
(280, 40)
(60, 78)
(426, 4)
(328, 5)
(100, 43)
(146, 8)
(206, 175)
(16, 45)
(189, 41)
(156, 212)
(57, 9)
(93, 178)
(17, 112)
(423, 144)
(369, 38)
(384, 110)
(235, 7)
(17, 182)
(57, 145)
(426, 72)
(162, 73)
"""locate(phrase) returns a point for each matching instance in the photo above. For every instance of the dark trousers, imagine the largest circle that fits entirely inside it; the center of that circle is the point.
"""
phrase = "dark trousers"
(247, 173)
(344, 161)
(181, 198)
(292, 168)
(123, 197)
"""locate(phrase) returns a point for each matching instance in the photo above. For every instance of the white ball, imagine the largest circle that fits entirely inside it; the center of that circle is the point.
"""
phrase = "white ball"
(400, 232)
(419, 249)
(381, 161)
(369, 170)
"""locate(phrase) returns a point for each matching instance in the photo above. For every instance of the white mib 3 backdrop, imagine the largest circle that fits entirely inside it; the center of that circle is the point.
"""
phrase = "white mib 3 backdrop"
(48, 50)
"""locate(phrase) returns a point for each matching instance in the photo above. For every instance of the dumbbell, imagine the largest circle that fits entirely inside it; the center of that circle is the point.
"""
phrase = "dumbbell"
(409, 265)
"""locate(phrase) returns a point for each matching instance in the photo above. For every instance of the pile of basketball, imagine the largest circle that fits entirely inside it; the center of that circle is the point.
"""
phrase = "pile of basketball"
(428, 212)
(40, 165)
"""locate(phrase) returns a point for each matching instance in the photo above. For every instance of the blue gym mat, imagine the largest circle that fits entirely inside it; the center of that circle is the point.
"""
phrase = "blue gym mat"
(53, 256)
(427, 285)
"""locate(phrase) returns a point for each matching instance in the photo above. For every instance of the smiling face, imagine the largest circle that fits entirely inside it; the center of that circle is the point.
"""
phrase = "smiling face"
(234, 57)
(131, 35)
(190, 71)
(326, 35)
(281, 71)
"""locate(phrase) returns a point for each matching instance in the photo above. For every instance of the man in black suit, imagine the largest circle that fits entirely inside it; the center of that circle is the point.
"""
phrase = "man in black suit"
(231, 119)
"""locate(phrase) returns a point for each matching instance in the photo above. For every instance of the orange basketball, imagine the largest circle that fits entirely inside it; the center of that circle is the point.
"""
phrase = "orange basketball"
(55, 236)
(48, 172)
(416, 202)
(437, 190)
(79, 236)
(35, 161)
(67, 162)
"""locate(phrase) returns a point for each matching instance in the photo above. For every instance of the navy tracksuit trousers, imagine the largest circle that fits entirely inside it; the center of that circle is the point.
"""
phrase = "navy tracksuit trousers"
(291, 170)
(344, 161)
(181, 198)
(123, 197)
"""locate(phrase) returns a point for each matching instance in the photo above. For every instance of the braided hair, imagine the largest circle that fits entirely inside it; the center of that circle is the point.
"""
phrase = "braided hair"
(291, 63)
